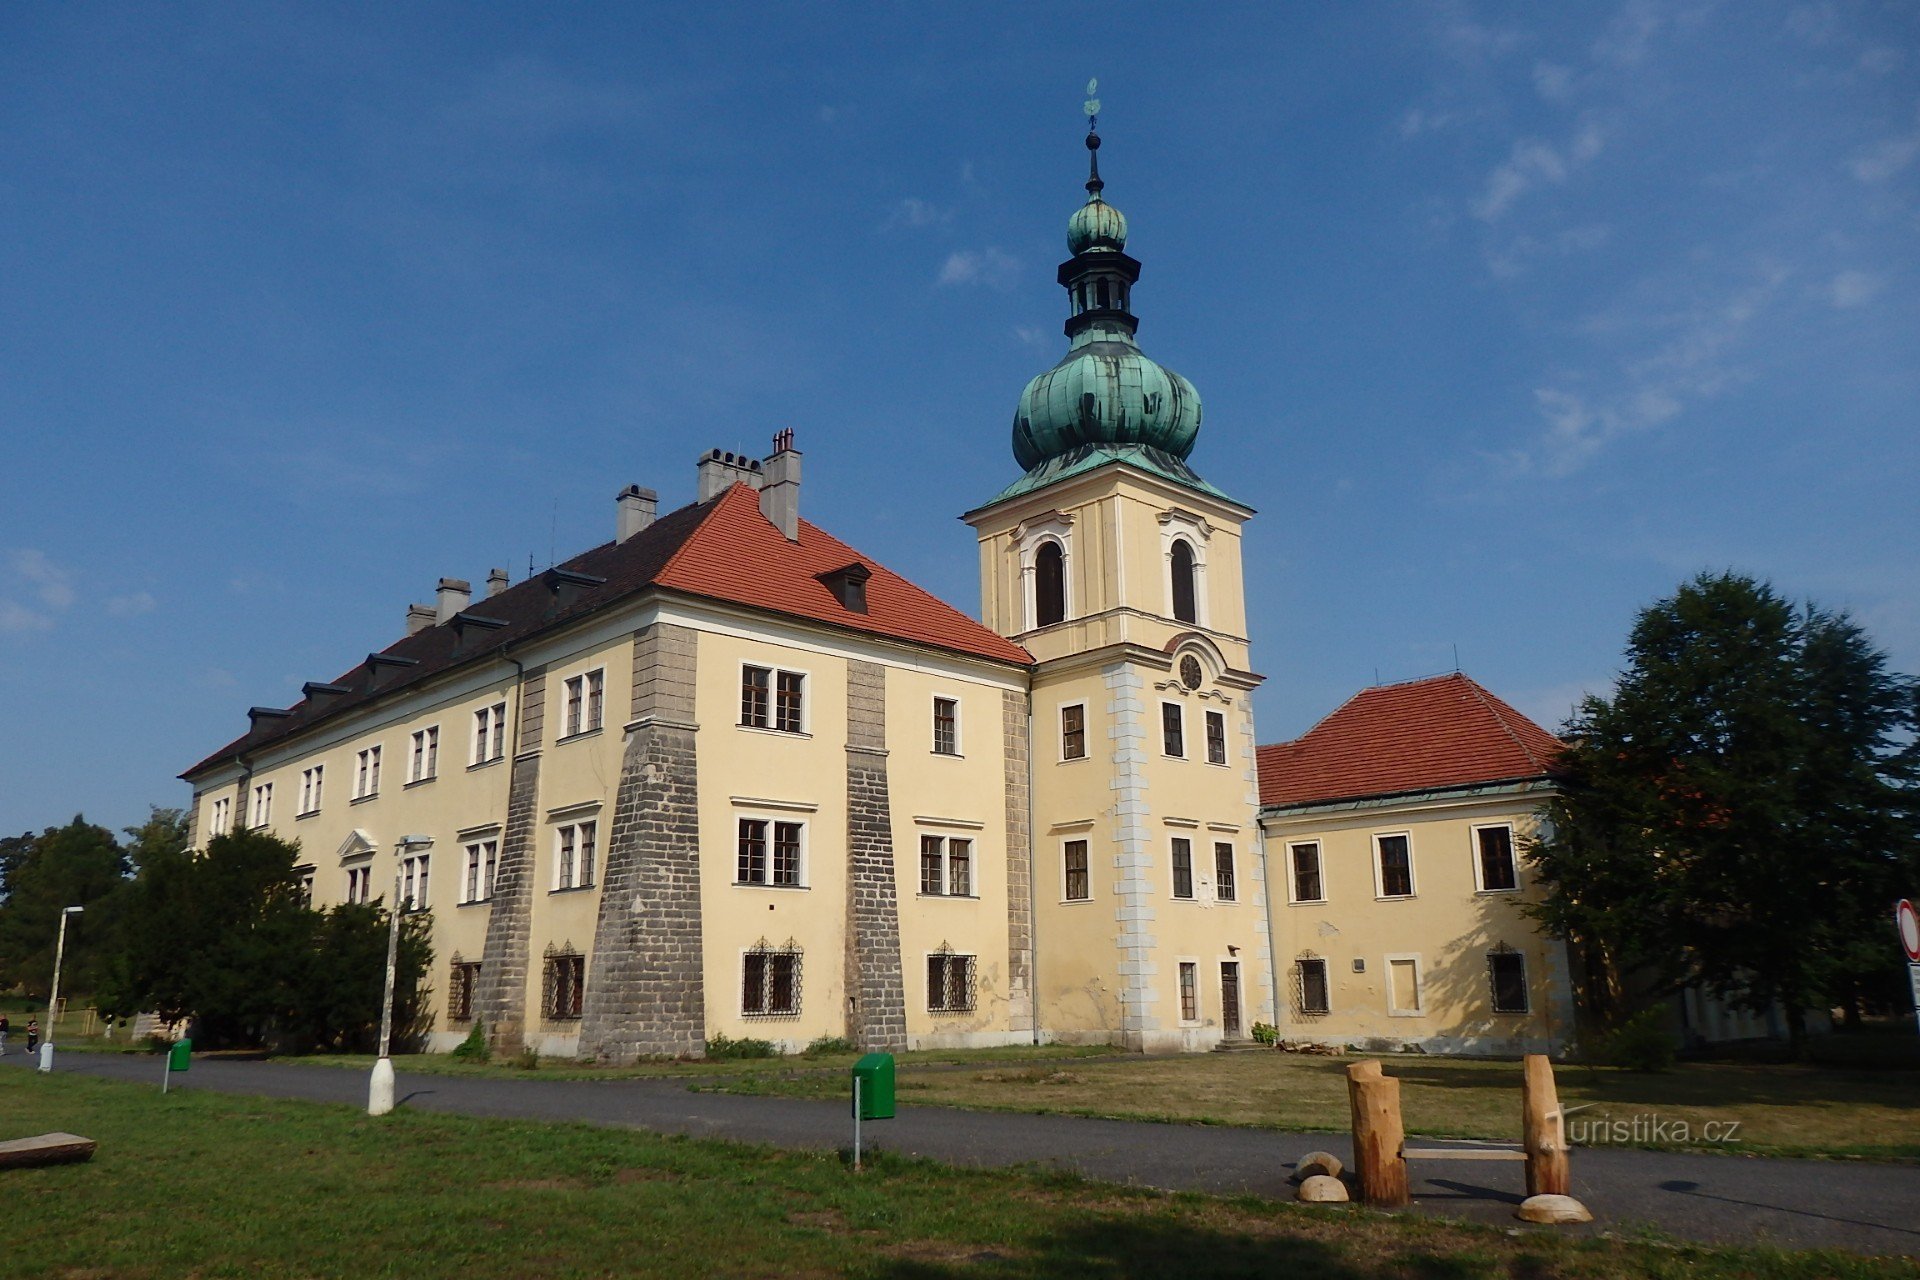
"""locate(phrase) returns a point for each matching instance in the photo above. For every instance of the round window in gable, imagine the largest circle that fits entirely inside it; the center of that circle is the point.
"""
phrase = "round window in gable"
(1190, 671)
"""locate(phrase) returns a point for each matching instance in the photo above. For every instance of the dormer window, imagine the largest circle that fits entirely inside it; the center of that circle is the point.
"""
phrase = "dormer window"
(849, 586)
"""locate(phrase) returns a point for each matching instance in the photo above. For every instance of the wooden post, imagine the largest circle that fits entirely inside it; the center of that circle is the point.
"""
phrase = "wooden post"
(1378, 1135)
(1543, 1130)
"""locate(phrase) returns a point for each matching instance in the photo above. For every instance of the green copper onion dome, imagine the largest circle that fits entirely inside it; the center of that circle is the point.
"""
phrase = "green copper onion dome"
(1105, 391)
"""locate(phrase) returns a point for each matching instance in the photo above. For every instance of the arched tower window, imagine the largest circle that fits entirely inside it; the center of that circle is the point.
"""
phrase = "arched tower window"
(1182, 562)
(1049, 585)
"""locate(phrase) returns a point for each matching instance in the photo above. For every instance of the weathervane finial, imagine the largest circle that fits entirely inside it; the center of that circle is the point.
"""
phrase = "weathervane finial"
(1092, 107)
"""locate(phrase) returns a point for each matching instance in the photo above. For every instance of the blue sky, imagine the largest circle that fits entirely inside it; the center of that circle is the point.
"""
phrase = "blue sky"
(1507, 318)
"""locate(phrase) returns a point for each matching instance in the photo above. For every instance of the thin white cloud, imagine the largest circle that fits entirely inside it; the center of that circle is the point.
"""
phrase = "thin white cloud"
(33, 591)
(1422, 120)
(914, 213)
(1032, 335)
(989, 266)
(131, 605)
(1553, 82)
(1851, 289)
(1885, 158)
(1533, 163)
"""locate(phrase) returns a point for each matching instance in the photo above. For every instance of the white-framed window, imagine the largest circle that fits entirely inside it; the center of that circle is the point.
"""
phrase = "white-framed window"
(1182, 867)
(220, 816)
(423, 760)
(1403, 986)
(1189, 991)
(1393, 865)
(359, 885)
(770, 982)
(1046, 569)
(1216, 737)
(573, 854)
(946, 866)
(489, 733)
(1225, 885)
(951, 983)
(771, 852)
(1495, 869)
(585, 702)
(1308, 883)
(773, 698)
(366, 773)
(311, 783)
(1183, 546)
(262, 812)
(1507, 980)
(463, 984)
(1180, 581)
(413, 882)
(1073, 731)
(306, 885)
(946, 726)
(563, 985)
(1311, 991)
(476, 882)
(1075, 884)
(1173, 729)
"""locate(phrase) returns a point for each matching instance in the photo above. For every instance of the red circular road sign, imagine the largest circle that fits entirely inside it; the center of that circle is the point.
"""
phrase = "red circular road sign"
(1909, 922)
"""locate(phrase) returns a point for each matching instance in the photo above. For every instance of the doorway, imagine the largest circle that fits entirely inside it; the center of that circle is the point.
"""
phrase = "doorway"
(1230, 999)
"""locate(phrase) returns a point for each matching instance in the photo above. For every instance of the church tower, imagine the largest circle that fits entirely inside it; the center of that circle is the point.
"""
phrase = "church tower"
(1119, 569)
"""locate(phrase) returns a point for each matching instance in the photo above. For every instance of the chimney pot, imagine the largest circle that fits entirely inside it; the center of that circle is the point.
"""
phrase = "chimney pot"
(780, 492)
(419, 618)
(637, 509)
(497, 581)
(454, 594)
(719, 470)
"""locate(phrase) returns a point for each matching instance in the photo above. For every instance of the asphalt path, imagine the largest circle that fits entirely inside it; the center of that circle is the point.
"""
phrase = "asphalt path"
(1854, 1205)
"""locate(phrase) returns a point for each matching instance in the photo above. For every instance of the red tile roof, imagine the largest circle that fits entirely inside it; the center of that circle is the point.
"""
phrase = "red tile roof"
(722, 549)
(738, 556)
(1425, 735)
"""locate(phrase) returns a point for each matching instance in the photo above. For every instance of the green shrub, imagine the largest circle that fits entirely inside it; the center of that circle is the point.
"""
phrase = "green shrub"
(474, 1047)
(724, 1047)
(1641, 1043)
(529, 1060)
(827, 1045)
(1265, 1033)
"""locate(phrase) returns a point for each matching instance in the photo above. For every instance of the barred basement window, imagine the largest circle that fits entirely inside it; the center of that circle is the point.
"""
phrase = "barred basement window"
(1310, 987)
(1507, 975)
(950, 983)
(463, 982)
(770, 982)
(565, 985)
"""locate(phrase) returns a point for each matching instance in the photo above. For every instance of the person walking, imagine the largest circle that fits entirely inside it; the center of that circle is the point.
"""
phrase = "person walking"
(33, 1034)
(5, 1027)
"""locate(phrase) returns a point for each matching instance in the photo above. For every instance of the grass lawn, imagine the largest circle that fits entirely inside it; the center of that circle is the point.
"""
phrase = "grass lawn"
(209, 1185)
(1780, 1109)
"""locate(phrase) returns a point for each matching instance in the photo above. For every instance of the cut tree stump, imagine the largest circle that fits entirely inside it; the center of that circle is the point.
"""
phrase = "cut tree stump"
(1543, 1132)
(1378, 1135)
(48, 1148)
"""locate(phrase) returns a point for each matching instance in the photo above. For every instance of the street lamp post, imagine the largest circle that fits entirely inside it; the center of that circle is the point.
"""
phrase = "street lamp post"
(380, 1087)
(53, 997)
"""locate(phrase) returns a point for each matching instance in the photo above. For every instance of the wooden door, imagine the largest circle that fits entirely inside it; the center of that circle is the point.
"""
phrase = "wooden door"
(1230, 999)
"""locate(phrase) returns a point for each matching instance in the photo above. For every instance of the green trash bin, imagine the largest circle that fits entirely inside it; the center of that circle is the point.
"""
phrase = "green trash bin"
(180, 1055)
(874, 1097)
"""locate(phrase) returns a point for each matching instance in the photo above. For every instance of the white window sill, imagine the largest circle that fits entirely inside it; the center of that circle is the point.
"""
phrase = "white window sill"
(572, 888)
(1495, 893)
(761, 884)
(1395, 897)
(1308, 902)
(371, 795)
(421, 782)
(485, 764)
(311, 813)
(475, 902)
(777, 733)
(951, 897)
(564, 739)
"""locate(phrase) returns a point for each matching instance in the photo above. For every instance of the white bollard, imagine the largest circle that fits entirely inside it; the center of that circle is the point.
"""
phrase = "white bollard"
(380, 1089)
(46, 1057)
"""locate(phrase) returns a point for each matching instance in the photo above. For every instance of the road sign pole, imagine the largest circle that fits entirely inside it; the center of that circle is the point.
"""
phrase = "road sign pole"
(856, 1123)
(1906, 923)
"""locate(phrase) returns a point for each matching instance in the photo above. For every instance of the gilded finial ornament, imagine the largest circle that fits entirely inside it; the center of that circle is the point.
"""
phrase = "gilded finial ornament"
(1092, 105)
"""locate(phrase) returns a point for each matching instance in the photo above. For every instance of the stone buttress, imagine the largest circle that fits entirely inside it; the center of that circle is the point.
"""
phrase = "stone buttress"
(500, 1002)
(877, 1012)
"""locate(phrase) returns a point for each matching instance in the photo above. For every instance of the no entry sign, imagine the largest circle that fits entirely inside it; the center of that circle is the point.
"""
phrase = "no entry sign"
(1908, 921)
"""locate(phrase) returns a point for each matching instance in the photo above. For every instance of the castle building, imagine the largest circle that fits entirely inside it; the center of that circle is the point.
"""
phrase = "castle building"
(725, 775)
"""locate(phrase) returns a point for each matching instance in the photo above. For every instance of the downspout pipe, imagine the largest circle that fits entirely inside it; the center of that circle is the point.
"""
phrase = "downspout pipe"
(1033, 882)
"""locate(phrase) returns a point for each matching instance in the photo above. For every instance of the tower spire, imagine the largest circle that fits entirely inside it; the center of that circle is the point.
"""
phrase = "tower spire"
(1092, 108)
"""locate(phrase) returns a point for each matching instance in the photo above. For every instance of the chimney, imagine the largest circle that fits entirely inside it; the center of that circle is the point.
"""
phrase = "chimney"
(719, 471)
(497, 581)
(780, 491)
(637, 508)
(419, 618)
(454, 595)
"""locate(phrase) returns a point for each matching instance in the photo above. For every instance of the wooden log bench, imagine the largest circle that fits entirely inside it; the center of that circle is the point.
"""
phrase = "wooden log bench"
(47, 1148)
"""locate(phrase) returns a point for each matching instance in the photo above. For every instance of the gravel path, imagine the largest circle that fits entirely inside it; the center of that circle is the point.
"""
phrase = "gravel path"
(1853, 1205)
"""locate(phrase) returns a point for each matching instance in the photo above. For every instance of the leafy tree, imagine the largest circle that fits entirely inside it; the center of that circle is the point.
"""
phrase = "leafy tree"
(78, 864)
(1740, 814)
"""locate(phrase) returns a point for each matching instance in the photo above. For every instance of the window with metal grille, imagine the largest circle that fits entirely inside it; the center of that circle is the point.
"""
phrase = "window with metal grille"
(1073, 732)
(1075, 854)
(1497, 870)
(1507, 976)
(1182, 867)
(1223, 884)
(946, 727)
(1189, 991)
(1396, 866)
(770, 982)
(564, 986)
(950, 983)
(1307, 886)
(1173, 729)
(1310, 986)
(1216, 737)
(463, 982)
